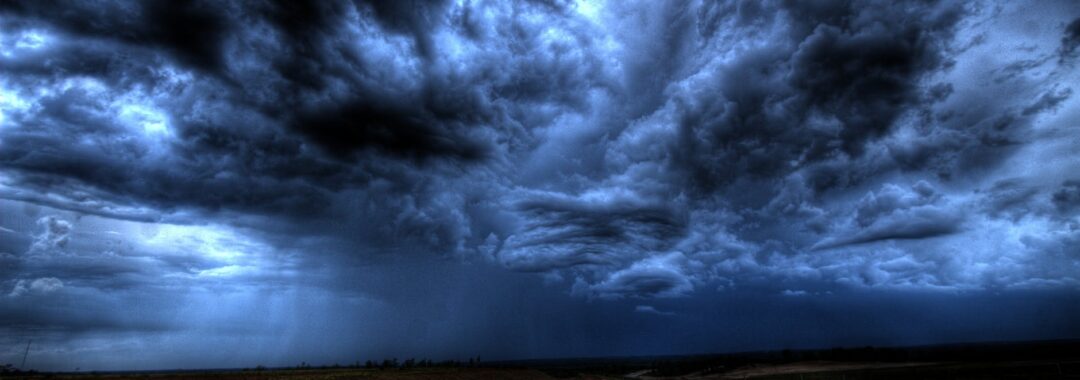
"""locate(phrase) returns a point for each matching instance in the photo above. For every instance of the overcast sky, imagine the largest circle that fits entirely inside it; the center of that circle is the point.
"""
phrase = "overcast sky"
(227, 184)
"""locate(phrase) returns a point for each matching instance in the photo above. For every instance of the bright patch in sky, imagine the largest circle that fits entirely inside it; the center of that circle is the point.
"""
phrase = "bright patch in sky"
(590, 8)
(151, 121)
(30, 40)
(11, 45)
(211, 241)
(10, 102)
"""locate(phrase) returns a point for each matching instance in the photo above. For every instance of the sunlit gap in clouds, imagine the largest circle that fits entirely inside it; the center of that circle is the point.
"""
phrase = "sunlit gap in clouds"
(231, 254)
(151, 121)
(13, 45)
(22, 42)
(183, 251)
(9, 102)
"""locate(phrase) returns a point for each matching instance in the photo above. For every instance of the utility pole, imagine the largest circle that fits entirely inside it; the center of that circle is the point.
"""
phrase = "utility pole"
(27, 352)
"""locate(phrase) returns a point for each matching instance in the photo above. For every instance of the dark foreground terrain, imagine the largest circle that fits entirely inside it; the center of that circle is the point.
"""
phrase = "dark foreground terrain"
(1032, 360)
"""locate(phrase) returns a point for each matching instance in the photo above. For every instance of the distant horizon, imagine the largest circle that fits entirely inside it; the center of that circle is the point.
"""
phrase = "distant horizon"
(525, 362)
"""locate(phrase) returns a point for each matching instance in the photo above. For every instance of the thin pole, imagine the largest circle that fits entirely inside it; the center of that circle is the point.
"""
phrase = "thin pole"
(27, 352)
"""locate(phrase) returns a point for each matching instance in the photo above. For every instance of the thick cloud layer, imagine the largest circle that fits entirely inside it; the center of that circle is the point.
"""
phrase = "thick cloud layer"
(621, 151)
(597, 142)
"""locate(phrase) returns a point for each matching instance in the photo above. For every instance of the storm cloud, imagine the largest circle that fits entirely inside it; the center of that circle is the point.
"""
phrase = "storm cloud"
(614, 151)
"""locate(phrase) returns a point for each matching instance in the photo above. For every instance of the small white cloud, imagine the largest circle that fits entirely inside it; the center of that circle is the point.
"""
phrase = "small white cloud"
(226, 271)
(651, 310)
(13, 44)
(44, 285)
(31, 40)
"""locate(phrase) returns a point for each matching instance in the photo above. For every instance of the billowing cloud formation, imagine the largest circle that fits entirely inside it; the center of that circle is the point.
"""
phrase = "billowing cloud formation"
(896, 213)
(53, 238)
(623, 149)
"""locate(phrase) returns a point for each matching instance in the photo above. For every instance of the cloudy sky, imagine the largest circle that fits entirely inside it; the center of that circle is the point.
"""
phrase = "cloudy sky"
(227, 184)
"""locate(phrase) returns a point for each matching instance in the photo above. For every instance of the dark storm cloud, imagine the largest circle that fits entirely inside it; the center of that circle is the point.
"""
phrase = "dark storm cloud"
(807, 105)
(897, 213)
(843, 79)
(227, 157)
(1048, 101)
(631, 149)
(311, 100)
(658, 276)
(861, 65)
(191, 31)
(566, 233)
(1010, 197)
(403, 132)
(1067, 198)
(427, 122)
(1071, 40)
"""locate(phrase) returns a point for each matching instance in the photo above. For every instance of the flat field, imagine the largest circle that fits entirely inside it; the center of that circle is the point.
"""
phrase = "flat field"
(1058, 359)
(788, 371)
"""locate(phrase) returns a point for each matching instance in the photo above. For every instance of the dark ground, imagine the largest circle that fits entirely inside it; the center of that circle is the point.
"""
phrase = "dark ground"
(1028, 360)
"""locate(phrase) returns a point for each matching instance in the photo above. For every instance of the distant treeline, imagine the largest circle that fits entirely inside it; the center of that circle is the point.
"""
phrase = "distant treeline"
(392, 363)
(720, 363)
(8, 370)
(973, 352)
(11, 370)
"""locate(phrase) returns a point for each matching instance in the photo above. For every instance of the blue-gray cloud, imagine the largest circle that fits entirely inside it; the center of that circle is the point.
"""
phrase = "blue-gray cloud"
(316, 114)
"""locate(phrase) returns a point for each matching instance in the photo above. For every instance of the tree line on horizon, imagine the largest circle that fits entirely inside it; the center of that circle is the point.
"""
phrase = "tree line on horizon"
(392, 363)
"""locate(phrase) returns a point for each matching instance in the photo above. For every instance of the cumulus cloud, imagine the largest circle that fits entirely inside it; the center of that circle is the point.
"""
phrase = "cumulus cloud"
(897, 213)
(44, 285)
(53, 238)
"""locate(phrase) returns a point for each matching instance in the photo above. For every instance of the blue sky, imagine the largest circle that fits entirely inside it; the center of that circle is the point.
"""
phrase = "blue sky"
(227, 184)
